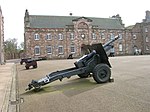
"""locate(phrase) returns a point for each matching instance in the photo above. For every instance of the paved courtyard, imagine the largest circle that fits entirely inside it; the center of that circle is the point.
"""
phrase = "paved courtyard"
(130, 91)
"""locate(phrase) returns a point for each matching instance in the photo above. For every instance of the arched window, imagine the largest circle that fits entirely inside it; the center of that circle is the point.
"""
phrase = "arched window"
(60, 36)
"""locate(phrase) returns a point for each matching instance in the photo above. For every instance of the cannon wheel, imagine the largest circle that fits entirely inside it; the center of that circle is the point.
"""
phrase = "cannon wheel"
(101, 73)
(83, 75)
(34, 66)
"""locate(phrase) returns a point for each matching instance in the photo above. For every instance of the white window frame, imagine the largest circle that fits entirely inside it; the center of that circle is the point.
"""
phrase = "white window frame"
(146, 29)
(147, 47)
(147, 39)
(49, 47)
(36, 36)
(120, 36)
(93, 36)
(62, 49)
(120, 47)
(60, 36)
(71, 36)
(102, 35)
(48, 36)
(35, 50)
(72, 48)
(112, 36)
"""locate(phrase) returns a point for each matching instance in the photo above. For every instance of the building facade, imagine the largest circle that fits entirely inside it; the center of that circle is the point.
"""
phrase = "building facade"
(1, 37)
(139, 36)
(59, 36)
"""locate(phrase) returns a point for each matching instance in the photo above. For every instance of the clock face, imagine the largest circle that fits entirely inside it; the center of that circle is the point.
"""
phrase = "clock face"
(82, 36)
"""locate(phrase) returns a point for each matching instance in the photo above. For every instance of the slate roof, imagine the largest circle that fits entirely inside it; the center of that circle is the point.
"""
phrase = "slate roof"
(130, 27)
(37, 21)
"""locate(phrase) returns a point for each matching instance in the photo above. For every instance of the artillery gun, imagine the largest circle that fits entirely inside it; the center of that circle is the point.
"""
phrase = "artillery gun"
(95, 63)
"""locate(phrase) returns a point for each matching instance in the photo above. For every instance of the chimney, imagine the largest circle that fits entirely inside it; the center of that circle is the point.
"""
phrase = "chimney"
(70, 14)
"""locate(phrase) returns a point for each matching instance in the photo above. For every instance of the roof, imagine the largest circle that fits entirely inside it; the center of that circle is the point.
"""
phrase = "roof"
(37, 21)
(130, 27)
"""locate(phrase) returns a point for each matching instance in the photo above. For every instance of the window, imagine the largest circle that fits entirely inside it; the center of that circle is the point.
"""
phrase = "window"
(120, 47)
(60, 49)
(49, 49)
(147, 47)
(37, 50)
(36, 37)
(147, 39)
(48, 36)
(72, 49)
(93, 36)
(120, 36)
(102, 35)
(134, 36)
(111, 36)
(146, 29)
(60, 36)
(71, 36)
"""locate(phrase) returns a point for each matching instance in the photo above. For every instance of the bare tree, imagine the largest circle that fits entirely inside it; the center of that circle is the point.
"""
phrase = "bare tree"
(11, 50)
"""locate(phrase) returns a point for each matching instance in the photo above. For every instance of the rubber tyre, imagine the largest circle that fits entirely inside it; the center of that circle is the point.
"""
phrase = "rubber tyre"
(35, 66)
(101, 73)
(83, 75)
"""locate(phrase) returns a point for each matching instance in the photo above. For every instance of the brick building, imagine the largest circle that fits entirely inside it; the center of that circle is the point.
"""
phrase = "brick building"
(59, 36)
(1, 37)
(139, 36)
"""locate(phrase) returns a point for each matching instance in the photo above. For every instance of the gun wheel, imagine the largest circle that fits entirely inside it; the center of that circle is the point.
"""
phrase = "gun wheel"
(101, 73)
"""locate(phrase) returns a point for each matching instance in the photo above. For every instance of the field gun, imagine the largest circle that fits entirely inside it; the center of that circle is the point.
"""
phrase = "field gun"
(95, 63)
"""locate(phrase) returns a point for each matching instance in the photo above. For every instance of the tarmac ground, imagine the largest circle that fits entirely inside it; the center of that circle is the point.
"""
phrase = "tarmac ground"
(130, 91)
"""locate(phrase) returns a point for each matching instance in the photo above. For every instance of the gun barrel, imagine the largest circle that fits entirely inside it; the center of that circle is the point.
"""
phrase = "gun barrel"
(111, 41)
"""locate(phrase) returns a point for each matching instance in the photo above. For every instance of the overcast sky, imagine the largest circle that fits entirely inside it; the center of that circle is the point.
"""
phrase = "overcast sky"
(131, 11)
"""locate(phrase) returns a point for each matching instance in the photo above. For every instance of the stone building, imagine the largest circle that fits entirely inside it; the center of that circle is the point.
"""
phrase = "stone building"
(139, 36)
(59, 36)
(1, 37)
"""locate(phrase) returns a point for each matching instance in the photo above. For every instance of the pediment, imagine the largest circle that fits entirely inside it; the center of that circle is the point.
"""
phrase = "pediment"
(82, 18)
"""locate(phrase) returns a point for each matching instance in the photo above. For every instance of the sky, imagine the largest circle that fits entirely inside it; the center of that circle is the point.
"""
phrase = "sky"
(131, 11)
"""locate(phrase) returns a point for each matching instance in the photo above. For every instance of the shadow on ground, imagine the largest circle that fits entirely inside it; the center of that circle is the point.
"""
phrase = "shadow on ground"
(71, 88)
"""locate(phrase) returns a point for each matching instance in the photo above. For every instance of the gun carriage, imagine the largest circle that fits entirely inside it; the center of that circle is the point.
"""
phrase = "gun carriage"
(94, 63)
